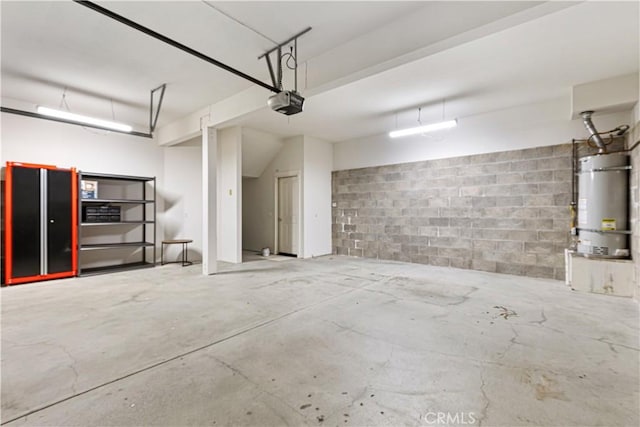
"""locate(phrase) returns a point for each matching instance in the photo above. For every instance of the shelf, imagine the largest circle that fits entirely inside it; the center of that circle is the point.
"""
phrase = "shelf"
(117, 177)
(87, 224)
(139, 202)
(135, 195)
(114, 268)
(92, 246)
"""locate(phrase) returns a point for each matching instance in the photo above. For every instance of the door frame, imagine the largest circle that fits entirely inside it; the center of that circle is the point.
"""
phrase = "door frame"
(277, 176)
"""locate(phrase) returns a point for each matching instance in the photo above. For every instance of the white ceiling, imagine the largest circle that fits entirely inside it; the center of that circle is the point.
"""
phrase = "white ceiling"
(530, 63)
(365, 60)
(47, 46)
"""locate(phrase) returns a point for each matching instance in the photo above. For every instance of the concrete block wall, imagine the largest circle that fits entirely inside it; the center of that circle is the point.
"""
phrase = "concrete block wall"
(503, 212)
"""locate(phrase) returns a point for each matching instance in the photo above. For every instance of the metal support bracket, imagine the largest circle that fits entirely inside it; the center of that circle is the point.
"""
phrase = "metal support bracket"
(153, 119)
(270, 67)
(276, 79)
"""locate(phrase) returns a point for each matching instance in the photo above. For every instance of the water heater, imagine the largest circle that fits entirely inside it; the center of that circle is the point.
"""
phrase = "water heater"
(603, 225)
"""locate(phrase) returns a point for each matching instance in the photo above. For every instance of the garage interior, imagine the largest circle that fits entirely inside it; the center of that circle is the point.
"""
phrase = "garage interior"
(219, 253)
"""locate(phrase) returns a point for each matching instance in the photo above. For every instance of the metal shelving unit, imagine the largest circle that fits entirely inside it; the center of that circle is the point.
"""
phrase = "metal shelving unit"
(122, 192)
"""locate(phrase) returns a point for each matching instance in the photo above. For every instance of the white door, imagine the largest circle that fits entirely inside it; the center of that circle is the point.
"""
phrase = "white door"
(288, 215)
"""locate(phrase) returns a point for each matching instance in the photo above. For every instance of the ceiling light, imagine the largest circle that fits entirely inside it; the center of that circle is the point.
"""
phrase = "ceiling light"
(65, 115)
(422, 129)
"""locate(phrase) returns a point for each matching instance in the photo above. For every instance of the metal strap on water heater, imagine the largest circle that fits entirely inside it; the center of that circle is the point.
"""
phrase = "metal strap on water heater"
(605, 231)
(613, 168)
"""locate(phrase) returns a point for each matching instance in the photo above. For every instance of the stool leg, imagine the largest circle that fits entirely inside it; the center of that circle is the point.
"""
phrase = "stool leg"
(161, 253)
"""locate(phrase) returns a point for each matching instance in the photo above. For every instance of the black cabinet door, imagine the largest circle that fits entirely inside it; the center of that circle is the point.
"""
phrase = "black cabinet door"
(26, 220)
(58, 221)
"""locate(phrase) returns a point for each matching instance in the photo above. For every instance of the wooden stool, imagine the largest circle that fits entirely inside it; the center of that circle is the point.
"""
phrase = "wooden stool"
(184, 242)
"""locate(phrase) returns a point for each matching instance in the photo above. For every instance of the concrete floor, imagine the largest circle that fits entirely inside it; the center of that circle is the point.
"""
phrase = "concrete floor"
(329, 341)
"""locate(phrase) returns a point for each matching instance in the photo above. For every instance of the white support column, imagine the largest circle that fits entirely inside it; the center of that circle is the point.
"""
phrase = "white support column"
(209, 200)
(230, 195)
(238, 199)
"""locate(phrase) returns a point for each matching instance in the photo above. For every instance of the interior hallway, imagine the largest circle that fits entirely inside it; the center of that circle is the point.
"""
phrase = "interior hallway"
(327, 341)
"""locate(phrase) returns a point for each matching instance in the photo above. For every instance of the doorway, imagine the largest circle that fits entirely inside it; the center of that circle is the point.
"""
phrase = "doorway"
(288, 215)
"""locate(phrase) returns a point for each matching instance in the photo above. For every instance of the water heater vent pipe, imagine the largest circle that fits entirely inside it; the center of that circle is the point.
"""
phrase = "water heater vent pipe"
(597, 139)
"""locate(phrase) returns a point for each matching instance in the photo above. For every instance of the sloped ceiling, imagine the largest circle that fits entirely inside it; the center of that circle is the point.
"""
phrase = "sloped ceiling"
(258, 149)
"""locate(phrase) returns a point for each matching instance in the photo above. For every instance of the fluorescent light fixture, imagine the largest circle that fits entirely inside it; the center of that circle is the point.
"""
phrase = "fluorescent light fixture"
(65, 115)
(422, 129)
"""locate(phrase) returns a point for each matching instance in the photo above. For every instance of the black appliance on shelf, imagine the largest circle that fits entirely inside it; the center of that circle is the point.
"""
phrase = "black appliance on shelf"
(106, 213)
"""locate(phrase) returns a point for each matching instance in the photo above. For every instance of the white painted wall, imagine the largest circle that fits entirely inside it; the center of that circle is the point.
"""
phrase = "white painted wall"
(40, 141)
(635, 127)
(254, 233)
(318, 163)
(515, 128)
(230, 195)
(45, 142)
(610, 95)
(259, 196)
(182, 195)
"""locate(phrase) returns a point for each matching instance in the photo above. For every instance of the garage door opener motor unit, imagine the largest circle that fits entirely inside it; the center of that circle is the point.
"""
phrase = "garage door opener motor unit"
(286, 102)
